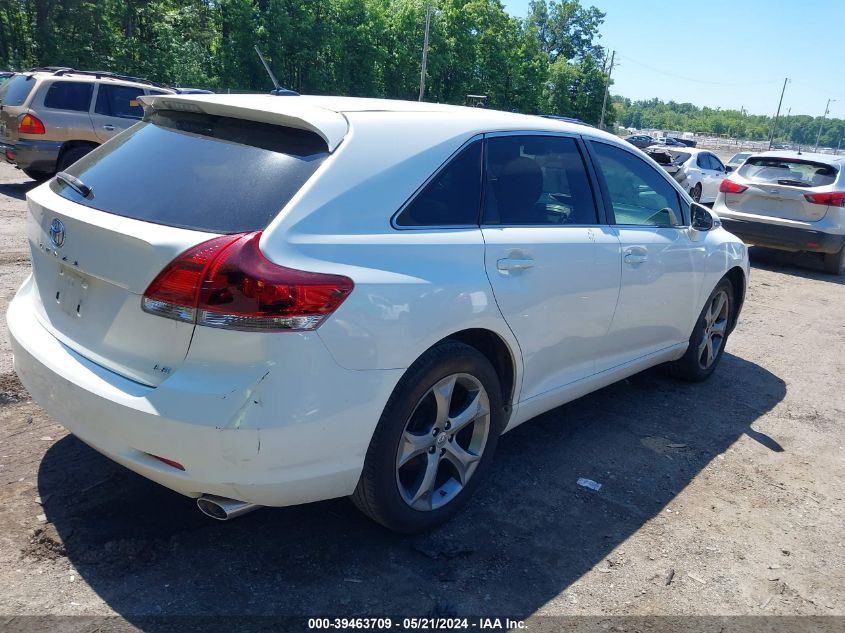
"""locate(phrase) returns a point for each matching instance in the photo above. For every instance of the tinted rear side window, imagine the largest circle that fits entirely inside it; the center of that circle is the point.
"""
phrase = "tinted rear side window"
(15, 91)
(119, 101)
(452, 197)
(200, 172)
(536, 180)
(69, 95)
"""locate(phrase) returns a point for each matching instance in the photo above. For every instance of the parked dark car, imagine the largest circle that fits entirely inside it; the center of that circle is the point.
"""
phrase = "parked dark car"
(641, 140)
(687, 142)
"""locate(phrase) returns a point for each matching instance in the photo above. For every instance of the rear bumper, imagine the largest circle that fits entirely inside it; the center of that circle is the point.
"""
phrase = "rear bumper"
(34, 155)
(263, 434)
(790, 238)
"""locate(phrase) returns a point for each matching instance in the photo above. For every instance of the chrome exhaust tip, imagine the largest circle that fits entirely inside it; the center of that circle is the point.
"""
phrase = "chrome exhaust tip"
(222, 508)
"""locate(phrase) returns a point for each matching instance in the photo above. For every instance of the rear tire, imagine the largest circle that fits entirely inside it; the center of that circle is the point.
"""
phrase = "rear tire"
(72, 155)
(709, 336)
(37, 176)
(834, 263)
(434, 442)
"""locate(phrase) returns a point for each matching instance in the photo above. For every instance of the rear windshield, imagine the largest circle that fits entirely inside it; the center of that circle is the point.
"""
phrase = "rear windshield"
(788, 171)
(15, 91)
(198, 171)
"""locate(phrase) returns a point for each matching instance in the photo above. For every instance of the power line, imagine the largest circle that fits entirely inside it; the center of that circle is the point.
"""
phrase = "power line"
(699, 81)
(808, 86)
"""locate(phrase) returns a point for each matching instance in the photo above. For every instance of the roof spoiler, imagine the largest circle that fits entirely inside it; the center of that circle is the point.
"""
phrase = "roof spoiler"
(331, 126)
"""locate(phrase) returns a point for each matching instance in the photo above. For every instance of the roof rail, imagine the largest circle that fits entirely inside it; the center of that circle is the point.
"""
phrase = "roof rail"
(47, 69)
(109, 74)
(63, 70)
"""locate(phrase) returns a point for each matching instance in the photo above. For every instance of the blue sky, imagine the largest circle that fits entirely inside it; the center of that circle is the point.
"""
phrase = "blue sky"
(727, 54)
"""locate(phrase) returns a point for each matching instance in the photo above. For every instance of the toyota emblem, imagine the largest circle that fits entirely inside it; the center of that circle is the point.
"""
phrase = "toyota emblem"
(57, 232)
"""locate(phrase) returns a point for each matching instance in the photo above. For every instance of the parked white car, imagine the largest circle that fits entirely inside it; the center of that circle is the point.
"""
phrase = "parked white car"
(736, 160)
(698, 171)
(790, 201)
(257, 300)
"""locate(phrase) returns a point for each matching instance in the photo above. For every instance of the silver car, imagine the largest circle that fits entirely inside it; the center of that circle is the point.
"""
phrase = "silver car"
(790, 201)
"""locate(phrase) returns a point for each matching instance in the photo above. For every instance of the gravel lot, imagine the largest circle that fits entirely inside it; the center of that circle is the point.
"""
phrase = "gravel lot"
(717, 499)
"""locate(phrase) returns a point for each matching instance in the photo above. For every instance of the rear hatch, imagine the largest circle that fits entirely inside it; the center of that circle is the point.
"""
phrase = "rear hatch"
(168, 183)
(778, 187)
(13, 95)
(670, 160)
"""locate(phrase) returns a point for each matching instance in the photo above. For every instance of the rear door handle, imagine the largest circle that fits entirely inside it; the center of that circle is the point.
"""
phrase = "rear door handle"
(636, 255)
(509, 263)
(110, 128)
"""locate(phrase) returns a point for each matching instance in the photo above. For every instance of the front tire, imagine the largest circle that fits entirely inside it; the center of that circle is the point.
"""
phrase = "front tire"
(434, 442)
(834, 263)
(709, 336)
(695, 193)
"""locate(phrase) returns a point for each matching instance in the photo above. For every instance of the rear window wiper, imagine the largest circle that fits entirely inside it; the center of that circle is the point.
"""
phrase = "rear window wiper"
(76, 184)
(794, 183)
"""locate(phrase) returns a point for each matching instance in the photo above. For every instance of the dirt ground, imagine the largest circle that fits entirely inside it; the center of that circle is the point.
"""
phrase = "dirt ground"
(722, 498)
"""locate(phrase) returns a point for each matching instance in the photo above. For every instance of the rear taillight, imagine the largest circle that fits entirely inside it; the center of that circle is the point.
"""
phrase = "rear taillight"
(729, 186)
(169, 462)
(833, 199)
(227, 282)
(31, 125)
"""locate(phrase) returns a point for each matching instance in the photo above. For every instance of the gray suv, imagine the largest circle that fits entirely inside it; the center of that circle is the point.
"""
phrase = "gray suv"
(51, 117)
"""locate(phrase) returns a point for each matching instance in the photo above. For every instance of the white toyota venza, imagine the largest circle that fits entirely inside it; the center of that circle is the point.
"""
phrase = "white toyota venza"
(264, 301)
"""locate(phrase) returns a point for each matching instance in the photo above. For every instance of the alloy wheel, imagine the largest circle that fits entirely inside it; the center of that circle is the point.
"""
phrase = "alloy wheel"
(715, 329)
(443, 442)
(696, 193)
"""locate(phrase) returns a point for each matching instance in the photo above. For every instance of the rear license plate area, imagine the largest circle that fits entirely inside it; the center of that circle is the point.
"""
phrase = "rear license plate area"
(71, 290)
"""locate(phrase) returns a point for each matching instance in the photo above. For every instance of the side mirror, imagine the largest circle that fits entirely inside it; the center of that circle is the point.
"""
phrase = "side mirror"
(702, 217)
(728, 169)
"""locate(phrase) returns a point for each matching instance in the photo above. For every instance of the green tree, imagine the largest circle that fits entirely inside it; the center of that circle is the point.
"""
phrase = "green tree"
(567, 34)
(548, 62)
(566, 29)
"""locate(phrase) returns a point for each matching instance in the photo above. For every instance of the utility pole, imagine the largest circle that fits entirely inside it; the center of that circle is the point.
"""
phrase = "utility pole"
(821, 125)
(777, 114)
(606, 89)
(425, 51)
